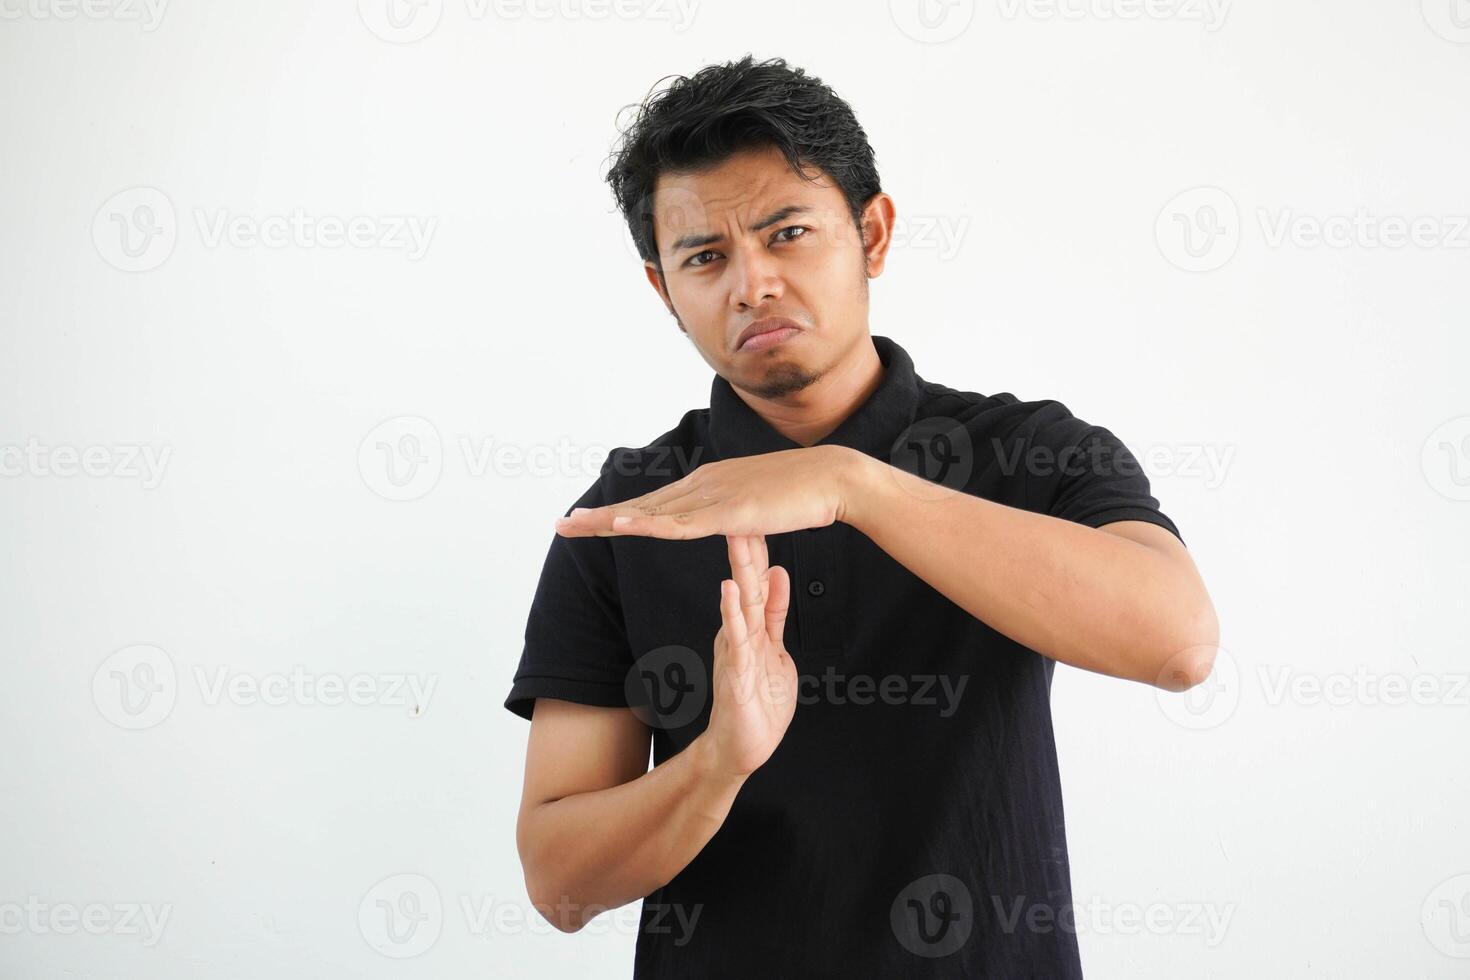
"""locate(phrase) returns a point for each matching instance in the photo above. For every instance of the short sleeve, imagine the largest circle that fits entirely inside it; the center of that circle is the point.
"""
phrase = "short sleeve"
(1085, 473)
(576, 645)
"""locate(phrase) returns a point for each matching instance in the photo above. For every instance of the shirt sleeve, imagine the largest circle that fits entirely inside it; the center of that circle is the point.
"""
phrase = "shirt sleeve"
(576, 645)
(1085, 473)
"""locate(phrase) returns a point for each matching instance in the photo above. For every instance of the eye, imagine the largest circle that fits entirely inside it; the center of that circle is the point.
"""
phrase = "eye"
(695, 262)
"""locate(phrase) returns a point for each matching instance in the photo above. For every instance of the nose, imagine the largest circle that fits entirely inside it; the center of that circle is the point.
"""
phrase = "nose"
(755, 279)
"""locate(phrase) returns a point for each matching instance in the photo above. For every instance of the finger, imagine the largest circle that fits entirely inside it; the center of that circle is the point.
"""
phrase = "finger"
(777, 603)
(700, 523)
(762, 557)
(585, 521)
(734, 625)
(752, 589)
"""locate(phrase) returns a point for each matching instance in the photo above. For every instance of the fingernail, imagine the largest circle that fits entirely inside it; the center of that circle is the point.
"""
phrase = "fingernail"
(578, 510)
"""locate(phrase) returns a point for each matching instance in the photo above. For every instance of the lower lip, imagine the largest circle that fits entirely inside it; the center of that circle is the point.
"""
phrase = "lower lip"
(769, 339)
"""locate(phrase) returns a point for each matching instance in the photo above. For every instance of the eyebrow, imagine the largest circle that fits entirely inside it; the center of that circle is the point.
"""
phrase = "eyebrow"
(699, 241)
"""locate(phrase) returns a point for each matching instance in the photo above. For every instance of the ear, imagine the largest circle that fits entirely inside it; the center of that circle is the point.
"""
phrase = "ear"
(655, 279)
(878, 217)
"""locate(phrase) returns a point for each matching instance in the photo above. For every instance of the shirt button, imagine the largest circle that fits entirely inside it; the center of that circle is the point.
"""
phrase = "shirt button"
(815, 587)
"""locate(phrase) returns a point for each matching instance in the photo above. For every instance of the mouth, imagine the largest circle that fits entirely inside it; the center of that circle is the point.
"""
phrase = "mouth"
(766, 333)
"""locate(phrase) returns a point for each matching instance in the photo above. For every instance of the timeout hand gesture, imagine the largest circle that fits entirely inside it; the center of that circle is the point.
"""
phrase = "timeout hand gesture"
(754, 684)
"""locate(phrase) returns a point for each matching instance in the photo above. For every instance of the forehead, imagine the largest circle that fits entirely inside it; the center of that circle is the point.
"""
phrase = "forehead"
(742, 189)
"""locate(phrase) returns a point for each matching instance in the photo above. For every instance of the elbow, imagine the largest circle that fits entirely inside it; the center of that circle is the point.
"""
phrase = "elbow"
(1190, 652)
(547, 897)
(555, 907)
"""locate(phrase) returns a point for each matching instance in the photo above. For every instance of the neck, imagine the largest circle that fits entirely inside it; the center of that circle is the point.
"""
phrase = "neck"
(810, 415)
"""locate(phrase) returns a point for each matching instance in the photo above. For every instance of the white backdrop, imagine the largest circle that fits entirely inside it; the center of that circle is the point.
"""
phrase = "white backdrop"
(254, 661)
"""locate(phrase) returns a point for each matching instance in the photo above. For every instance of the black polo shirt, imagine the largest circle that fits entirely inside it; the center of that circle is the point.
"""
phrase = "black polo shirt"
(909, 824)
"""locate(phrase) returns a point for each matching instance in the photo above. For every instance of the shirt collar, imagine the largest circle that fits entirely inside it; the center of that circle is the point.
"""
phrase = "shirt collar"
(735, 429)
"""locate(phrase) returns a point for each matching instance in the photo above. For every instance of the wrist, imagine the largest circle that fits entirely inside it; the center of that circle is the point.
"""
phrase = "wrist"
(854, 474)
(707, 766)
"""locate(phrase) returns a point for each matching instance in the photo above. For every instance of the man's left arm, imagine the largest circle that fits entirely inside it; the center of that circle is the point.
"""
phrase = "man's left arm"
(1123, 599)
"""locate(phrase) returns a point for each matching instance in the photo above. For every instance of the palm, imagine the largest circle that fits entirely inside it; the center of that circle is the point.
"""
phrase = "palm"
(754, 677)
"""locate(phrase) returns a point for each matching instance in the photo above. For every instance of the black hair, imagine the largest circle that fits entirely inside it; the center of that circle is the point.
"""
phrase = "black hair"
(699, 121)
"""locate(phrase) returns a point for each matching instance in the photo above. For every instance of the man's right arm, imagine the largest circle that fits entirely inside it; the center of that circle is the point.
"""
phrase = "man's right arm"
(598, 829)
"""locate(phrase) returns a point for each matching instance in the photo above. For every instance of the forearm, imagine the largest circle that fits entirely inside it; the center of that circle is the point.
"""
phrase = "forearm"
(590, 852)
(1076, 594)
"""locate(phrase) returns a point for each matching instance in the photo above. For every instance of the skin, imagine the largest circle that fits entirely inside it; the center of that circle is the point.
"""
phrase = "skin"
(597, 828)
(1124, 599)
(813, 267)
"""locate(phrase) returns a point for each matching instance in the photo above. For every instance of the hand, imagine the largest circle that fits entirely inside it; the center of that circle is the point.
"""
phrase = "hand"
(768, 493)
(754, 684)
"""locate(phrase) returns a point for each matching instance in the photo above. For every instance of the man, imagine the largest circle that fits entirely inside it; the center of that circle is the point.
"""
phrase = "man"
(833, 600)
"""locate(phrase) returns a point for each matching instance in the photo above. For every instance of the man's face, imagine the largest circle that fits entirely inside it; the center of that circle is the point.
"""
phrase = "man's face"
(751, 239)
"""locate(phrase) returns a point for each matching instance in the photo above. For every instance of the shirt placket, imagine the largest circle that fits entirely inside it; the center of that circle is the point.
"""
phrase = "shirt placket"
(817, 594)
